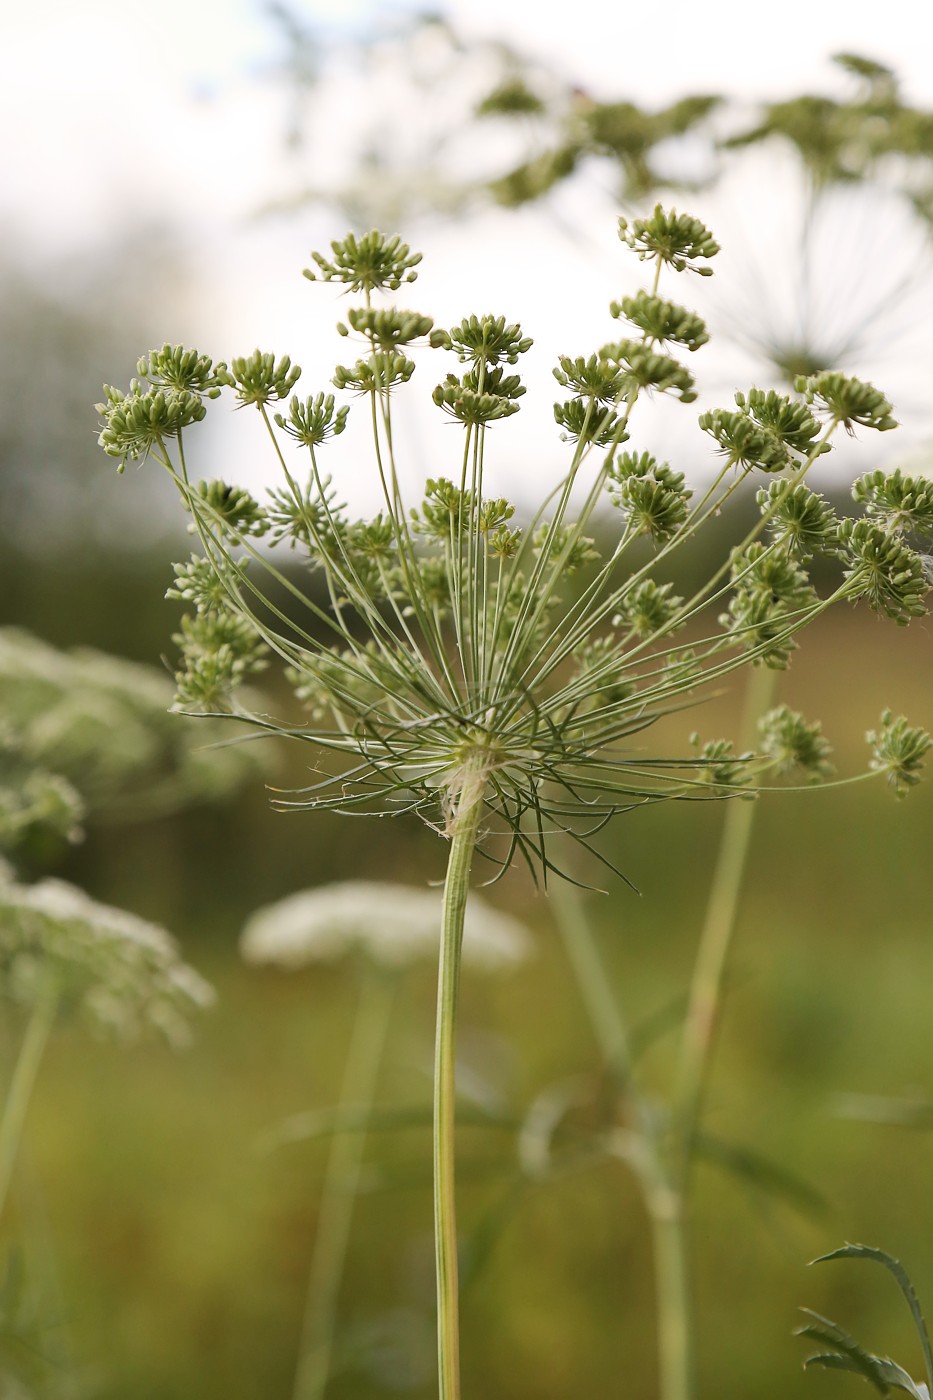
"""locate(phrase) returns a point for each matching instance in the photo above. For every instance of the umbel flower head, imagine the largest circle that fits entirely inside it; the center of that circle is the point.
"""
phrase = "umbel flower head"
(85, 732)
(391, 925)
(116, 971)
(455, 656)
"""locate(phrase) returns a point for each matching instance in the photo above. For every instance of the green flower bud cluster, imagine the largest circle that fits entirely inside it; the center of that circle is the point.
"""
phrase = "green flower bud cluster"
(258, 379)
(446, 510)
(168, 396)
(198, 582)
(433, 585)
(799, 520)
(219, 650)
(312, 422)
(375, 539)
(647, 370)
(183, 371)
(771, 590)
(378, 375)
(486, 340)
(571, 550)
(719, 767)
(138, 422)
(678, 240)
(650, 494)
(575, 127)
(468, 404)
(493, 515)
(584, 423)
(627, 133)
(307, 517)
(231, 506)
(791, 743)
(661, 320)
(368, 264)
(882, 568)
(595, 379)
(387, 327)
(649, 609)
(504, 543)
(901, 504)
(849, 402)
(898, 751)
(770, 431)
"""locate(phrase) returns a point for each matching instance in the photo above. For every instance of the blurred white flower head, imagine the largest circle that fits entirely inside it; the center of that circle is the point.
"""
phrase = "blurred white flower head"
(95, 730)
(117, 970)
(391, 924)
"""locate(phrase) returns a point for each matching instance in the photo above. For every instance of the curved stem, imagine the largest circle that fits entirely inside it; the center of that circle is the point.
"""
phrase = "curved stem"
(21, 1084)
(341, 1183)
(715, 941)
(463, 829)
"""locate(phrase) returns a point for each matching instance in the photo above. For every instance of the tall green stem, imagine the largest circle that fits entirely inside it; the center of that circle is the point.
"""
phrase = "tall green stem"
(341, 1183)
(672, 1292)
(715, 941)
(463, 829)
(664, 1206)
(22, 1081)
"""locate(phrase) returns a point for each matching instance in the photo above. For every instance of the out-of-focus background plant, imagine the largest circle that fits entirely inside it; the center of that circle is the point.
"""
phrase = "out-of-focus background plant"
(153, 1246)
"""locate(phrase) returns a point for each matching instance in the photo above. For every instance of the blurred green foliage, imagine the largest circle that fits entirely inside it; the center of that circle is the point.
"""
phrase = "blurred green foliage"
(181, 1252)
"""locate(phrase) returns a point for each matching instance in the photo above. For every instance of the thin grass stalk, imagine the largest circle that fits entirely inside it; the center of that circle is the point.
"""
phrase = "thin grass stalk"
(22, 1081)
(672, 1293)
(706, 989)
(341, 1184)
(665, 1210)
(463, 830)
(587, 966)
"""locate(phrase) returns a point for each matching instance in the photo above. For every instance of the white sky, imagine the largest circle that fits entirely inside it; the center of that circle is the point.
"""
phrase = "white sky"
(104, 105)
(115, 114)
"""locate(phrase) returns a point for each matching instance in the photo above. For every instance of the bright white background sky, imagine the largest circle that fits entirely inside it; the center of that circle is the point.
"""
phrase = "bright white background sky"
(102, 103)
(118, 114)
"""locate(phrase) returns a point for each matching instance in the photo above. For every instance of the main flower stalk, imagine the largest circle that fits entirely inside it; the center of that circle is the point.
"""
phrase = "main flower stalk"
(463, 828)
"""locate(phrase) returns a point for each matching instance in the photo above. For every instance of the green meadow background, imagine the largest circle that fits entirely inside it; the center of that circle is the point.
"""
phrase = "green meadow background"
(174, 1249)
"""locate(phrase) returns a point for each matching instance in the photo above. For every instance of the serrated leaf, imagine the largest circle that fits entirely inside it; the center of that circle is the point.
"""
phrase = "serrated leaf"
(886, 1374)
(847, 1356)
(832, 1361)
(899, 1273)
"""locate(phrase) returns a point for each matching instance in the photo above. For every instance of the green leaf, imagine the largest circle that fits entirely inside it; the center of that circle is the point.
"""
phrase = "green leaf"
(899, 1273)
(849, 1356)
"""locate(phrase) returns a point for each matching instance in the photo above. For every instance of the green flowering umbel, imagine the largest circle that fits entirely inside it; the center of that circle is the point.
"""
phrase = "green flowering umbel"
(499, 678)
